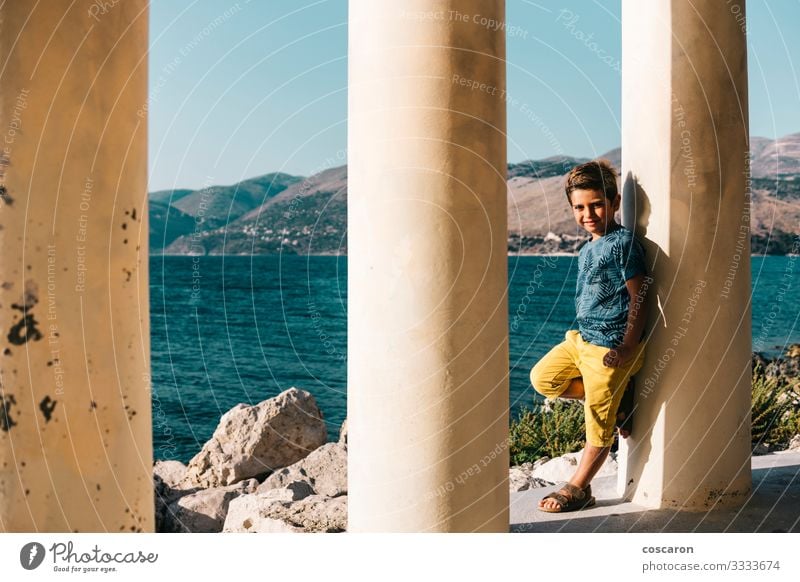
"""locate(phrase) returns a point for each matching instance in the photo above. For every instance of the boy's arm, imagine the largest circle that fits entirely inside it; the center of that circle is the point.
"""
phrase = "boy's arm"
(637, 316)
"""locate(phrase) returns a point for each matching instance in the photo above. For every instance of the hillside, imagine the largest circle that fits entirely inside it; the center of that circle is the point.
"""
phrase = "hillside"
(278, 213)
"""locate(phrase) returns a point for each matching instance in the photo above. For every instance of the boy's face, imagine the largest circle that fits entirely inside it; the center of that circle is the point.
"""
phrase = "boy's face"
(593, 211)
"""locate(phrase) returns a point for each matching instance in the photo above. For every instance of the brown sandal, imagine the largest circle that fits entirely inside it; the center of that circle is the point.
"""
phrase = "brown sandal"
(578, 499)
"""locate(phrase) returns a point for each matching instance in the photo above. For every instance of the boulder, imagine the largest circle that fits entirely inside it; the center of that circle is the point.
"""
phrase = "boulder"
(204, 511)
(794, 444)
(562, 468)
(761, 449)
(261, 514)
(170, 473)
(343, 433)
(519, 478)
(325, 469)
(251, 441)
(168, 487)
(294, 491)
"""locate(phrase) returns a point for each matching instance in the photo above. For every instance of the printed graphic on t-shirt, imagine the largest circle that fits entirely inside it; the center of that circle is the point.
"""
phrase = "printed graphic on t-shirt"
(601, 298)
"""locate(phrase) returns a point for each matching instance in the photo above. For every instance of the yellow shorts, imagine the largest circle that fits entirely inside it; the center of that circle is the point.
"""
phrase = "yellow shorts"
(574, 358)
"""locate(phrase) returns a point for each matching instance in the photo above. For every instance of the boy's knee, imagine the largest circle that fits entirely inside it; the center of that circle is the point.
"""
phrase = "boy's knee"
(541, 382)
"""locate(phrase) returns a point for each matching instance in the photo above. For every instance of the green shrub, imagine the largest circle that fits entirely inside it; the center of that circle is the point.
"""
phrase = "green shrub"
(774, 417)
(537, 434)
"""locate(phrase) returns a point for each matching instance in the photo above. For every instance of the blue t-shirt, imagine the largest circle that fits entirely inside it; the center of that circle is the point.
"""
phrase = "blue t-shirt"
(601, 298)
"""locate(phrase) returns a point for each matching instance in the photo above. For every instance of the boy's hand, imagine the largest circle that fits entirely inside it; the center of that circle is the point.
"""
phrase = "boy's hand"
(617, 357)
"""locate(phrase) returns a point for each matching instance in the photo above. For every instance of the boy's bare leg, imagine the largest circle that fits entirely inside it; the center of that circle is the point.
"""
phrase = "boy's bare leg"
(574, 390)
(592, 458)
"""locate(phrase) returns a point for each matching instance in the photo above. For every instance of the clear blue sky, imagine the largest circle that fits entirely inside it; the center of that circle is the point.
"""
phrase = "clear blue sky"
(239, 89)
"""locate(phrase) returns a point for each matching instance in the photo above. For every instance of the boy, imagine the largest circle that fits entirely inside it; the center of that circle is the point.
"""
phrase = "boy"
(596, 362)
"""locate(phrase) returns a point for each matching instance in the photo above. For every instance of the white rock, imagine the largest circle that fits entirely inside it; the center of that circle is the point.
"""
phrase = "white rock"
(325, 469)
(343, 433)
(271, 525)
(558, 469)
(204, 511)
(250, 513)
(292, 492)
(539, 462)
(168, 488)
(563, 468)
(794, 444)
(260, 514)
(520, 479)
(253, 440)
(170, 472)
(761, 449)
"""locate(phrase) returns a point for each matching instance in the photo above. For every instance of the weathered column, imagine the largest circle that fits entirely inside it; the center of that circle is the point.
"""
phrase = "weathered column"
(427, 274)
(685, 162)
(75, 421)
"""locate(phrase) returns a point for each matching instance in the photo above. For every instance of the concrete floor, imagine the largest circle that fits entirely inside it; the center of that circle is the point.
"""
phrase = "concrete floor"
(774, 506)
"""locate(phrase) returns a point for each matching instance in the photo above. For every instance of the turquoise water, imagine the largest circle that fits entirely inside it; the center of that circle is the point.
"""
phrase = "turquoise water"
(236, 329)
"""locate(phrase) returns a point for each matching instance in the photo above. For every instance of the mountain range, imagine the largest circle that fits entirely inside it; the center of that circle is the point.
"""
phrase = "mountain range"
(280, 213)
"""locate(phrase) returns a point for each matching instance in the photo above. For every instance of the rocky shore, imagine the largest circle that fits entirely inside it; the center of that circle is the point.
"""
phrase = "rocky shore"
(269, 468)
(266, 468)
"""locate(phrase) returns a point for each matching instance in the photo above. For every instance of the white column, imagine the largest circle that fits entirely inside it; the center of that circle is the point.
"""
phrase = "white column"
(428, 331)
(75, 421)
(685, 164)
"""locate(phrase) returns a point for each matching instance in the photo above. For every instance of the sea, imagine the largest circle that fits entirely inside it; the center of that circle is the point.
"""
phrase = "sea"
(241, 329)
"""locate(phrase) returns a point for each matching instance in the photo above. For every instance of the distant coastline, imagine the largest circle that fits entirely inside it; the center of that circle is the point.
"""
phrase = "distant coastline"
(278, 214)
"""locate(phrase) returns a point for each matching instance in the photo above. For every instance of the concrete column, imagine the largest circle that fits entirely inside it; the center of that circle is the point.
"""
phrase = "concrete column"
(427, 267)
(685, 168)
(75, 421)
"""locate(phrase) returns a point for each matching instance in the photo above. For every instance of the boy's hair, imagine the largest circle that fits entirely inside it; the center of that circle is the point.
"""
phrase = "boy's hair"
(595, 175)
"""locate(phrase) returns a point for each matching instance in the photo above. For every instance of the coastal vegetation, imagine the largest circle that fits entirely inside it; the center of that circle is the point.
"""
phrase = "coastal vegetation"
(554, 429)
